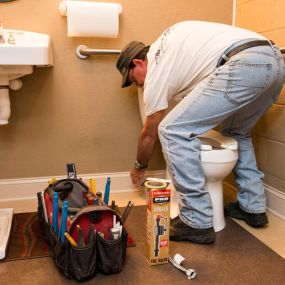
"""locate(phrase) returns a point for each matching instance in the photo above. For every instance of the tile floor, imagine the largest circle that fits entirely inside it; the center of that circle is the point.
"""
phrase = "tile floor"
(273, 235)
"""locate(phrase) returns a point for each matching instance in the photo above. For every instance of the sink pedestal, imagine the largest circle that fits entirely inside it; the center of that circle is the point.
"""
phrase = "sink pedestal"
(9, 73)
(5, 109)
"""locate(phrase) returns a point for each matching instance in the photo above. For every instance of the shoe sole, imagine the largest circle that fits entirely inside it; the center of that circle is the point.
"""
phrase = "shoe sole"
(196, 239)
(262, 221)
(258, 224)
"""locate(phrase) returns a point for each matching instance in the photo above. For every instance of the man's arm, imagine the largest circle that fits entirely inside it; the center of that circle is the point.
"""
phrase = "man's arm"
(148, 138)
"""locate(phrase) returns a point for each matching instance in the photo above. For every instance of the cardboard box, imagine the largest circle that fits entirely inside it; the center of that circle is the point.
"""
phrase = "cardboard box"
(157, 227)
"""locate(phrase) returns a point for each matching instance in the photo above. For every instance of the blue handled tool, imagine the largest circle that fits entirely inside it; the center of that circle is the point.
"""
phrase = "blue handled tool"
(107, 191)
(63, 221)
(55, 213)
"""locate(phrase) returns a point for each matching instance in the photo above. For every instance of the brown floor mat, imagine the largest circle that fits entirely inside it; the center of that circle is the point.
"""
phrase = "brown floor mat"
(236, 257)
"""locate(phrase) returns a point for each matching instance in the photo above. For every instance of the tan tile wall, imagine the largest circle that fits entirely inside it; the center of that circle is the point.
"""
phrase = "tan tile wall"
(268, 18)
(76, 110)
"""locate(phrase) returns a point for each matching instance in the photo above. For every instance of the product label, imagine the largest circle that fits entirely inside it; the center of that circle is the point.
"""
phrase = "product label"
(161, 200)
(157, 227)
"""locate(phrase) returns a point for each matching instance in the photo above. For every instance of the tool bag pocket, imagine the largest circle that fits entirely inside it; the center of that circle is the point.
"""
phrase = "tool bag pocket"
(111, 254)
(94, 247)
(82, 261)
(59, 253)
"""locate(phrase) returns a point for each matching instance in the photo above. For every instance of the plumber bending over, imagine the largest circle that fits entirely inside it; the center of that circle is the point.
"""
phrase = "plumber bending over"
(223, 76)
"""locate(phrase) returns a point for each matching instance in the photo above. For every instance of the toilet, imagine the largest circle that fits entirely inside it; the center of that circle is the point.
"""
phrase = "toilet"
(219, 155)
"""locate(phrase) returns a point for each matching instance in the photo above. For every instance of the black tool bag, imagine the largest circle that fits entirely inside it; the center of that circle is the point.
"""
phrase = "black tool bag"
(96, 250)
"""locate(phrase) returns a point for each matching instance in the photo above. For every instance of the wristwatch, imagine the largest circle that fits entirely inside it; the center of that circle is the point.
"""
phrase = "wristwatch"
(140, 166)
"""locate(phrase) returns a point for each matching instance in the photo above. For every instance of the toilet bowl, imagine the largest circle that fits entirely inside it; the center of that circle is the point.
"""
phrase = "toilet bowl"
(218, 157)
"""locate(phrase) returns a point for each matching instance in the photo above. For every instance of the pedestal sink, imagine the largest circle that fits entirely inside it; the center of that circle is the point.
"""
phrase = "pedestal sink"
(19, 52)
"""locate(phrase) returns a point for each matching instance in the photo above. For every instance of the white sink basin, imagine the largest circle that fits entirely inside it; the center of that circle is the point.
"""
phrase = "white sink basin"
(25, 48)
(19, 52)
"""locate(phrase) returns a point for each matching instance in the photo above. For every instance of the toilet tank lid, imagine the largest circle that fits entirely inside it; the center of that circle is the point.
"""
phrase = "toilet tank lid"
(214, 138)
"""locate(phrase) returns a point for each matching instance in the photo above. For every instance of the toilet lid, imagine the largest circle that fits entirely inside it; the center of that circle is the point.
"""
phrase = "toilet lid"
(214, 140)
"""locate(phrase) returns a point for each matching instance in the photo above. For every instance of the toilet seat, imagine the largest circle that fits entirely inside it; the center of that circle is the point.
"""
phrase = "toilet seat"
(214, 140)
(216, 148)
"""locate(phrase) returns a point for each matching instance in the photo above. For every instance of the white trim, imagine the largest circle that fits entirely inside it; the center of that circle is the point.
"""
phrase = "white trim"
(234, 13)
(12, 190)
(26, 188)
(275, 200)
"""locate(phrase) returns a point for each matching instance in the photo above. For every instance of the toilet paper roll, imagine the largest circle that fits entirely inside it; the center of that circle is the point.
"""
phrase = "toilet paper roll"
(92, 19)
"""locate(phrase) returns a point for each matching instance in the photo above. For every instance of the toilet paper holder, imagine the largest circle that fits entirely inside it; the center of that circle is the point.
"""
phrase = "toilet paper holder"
(62, 8)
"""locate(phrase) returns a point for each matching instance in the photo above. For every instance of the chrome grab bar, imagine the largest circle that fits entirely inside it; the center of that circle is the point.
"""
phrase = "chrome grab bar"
(84, 52)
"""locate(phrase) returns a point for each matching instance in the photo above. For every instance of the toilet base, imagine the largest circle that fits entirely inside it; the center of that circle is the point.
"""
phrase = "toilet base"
(215, 190)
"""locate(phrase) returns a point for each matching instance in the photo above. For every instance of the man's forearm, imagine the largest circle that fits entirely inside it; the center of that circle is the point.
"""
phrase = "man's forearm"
(146, 147)
(148, 137)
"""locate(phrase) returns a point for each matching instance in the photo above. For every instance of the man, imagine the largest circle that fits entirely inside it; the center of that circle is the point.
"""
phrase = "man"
(223, 76)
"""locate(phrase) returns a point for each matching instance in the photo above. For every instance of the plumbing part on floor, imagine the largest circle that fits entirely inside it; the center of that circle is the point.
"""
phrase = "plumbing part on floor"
(6, 217)
(176, 262)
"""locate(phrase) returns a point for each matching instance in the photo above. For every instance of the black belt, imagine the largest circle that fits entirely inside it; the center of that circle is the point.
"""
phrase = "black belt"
(242, 47)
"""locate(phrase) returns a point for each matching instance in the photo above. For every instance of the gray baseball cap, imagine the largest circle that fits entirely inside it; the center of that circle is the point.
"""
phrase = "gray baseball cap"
(125, 59)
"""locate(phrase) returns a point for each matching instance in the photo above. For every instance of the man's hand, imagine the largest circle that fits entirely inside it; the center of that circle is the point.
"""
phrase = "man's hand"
(137, 176)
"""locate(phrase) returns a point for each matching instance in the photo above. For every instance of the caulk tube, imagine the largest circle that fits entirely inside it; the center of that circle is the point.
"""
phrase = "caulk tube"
(107, 191)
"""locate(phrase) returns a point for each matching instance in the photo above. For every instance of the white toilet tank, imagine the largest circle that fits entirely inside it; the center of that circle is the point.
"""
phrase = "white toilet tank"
(141, 104)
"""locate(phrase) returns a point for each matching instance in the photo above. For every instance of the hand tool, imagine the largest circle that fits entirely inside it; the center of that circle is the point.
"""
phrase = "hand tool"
(70, 239)
(127, 210)
(92, 186)
(63, 221)
(55, 213)
(107, 191)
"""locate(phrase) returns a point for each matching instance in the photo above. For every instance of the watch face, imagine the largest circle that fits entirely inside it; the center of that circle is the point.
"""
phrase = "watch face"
(138, 165)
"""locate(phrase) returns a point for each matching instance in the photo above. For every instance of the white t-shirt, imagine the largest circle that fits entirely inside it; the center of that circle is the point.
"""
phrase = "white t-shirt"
(184, 55)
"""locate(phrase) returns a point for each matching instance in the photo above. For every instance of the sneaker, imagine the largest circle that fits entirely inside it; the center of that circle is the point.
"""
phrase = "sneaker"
(179, 231)
(233, 210)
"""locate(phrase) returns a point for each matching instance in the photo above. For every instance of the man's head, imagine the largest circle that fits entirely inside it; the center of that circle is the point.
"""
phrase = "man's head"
(132, 63)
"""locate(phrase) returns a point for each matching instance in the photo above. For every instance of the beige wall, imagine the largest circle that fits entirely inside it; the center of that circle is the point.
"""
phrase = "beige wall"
(267, 18)
(76, 111)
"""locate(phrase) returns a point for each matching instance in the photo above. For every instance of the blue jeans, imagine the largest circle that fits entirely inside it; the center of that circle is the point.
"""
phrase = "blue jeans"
(233, 97)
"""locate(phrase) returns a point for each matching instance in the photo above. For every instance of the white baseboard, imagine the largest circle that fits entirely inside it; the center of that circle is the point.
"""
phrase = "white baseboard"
(275, 200)
(27, 188)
